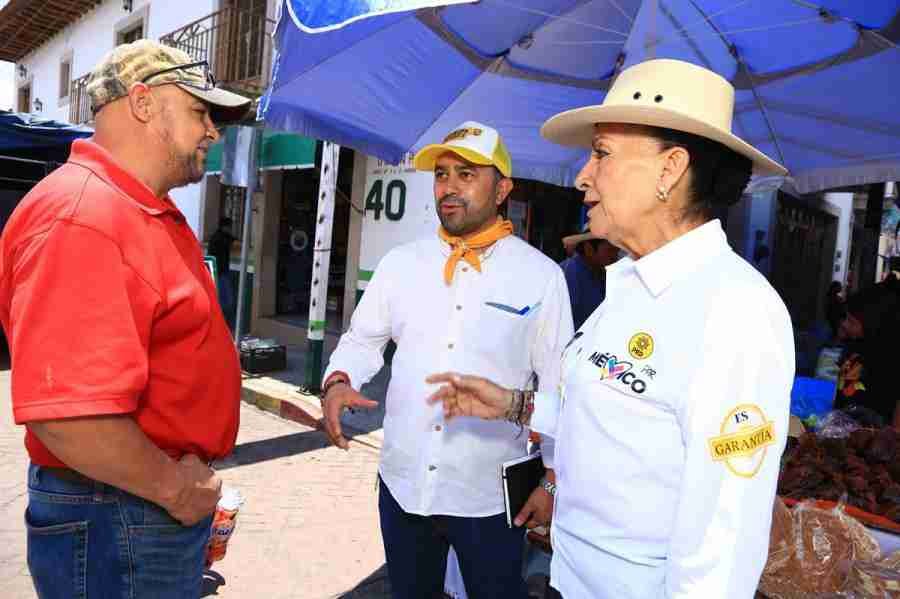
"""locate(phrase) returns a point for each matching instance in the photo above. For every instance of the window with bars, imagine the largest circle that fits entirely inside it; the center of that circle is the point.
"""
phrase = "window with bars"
(132, 34)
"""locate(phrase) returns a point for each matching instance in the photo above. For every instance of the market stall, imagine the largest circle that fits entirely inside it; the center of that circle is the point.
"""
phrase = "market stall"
(836, 520)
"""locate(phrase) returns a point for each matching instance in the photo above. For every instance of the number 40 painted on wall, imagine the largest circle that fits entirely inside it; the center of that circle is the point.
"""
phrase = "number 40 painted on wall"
(394, 202)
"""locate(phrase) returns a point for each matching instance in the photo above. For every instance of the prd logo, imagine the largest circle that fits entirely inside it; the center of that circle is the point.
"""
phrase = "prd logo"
(640, 346)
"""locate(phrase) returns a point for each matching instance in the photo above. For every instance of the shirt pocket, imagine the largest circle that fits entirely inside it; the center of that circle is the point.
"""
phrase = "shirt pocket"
(503, 332)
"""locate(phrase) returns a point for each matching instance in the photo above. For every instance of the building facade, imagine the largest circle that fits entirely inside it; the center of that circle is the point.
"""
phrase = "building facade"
(55, 45)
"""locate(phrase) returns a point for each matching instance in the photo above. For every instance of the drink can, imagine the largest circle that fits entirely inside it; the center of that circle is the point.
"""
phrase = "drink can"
(223, 524)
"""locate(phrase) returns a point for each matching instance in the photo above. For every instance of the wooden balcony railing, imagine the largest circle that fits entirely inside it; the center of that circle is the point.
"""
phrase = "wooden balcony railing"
(79, 103)
(236, 43)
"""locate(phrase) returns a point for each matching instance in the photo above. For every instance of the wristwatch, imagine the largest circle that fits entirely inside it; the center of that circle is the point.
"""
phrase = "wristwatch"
(548, 486)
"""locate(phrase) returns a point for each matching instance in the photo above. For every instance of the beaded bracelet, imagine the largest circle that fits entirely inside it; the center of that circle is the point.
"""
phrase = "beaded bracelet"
(515, 407)
(527, 407)
(521, 407)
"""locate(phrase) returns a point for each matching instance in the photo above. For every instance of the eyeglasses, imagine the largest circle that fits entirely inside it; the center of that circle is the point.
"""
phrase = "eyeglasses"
(207, 75)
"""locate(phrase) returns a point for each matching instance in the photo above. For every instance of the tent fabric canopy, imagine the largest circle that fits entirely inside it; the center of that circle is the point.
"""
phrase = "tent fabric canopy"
(22, 132)
(816, 82)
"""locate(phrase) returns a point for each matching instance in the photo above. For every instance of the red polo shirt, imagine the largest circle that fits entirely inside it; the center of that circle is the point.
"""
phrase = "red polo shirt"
(109, 309)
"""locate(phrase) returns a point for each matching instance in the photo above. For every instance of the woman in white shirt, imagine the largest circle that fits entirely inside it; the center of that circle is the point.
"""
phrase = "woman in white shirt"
(673, 410)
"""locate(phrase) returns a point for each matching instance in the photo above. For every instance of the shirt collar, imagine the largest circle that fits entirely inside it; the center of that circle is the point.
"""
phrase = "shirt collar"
(662, 267)
(86, 153)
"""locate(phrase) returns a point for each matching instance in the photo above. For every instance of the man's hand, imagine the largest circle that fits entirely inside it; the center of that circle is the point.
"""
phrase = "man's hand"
(464, 395)
(114, 450)
(199, 491)
(340, 396)
(537, 511)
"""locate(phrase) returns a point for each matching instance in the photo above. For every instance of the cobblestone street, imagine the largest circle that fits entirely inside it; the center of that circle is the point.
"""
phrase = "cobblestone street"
(308, 529)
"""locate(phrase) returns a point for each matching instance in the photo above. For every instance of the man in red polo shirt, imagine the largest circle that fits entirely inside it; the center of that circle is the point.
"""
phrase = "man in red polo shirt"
(123, 370)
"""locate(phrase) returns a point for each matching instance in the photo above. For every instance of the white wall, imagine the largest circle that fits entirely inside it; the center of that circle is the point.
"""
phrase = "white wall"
(89, 39)
(7, 85)
(841, 206)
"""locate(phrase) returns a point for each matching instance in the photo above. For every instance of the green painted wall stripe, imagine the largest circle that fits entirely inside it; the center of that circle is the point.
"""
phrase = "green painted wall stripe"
(316, 325)
(365, 275)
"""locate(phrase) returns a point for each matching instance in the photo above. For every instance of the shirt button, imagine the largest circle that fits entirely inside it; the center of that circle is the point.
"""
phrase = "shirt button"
(432, 468)
(459, 307)
(449, 346)
(465, 269)
(437, 427)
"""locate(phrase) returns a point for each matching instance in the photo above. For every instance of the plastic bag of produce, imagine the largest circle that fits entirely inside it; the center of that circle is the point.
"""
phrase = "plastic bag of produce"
(812, 552)
(836, 425)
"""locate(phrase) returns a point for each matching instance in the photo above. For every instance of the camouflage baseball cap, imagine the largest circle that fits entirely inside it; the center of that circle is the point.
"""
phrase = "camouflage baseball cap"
(146, 61)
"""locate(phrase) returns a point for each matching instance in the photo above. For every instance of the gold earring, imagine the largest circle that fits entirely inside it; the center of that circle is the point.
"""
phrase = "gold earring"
(661, 194)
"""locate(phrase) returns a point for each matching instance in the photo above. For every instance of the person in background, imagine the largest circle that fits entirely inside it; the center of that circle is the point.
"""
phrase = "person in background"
(219, 246)
(835, 308)
(585, 272)
(674, 402)
(870, 330)
(124, 372)
(472, 297)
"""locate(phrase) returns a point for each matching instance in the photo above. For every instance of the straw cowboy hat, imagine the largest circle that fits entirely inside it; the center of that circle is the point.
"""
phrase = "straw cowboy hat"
(663, 93)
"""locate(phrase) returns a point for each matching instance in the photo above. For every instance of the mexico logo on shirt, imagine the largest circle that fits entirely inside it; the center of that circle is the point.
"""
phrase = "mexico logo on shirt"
(744, 438)
(613, 369)
(640, 346)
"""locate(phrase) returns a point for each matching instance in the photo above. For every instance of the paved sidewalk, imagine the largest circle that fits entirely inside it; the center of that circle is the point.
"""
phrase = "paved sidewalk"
(309, 528)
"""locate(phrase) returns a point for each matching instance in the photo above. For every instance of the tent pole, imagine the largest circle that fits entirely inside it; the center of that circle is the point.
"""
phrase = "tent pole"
(318, 303)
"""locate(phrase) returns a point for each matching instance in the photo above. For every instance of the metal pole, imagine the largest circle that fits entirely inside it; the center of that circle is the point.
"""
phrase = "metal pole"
(318, 304)
(252, 176)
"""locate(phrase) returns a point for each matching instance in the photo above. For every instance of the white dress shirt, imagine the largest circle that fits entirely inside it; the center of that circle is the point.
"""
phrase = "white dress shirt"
(669, 424)
(505, 323)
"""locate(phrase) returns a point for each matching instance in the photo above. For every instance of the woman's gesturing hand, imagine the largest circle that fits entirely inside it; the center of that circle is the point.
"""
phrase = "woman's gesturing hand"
(464, 395)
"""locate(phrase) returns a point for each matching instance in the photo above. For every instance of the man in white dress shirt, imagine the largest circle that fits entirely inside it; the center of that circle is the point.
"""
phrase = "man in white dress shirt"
(473, 298)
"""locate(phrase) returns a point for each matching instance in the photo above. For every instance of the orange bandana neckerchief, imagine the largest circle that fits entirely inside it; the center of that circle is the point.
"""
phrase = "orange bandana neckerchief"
(467, 249)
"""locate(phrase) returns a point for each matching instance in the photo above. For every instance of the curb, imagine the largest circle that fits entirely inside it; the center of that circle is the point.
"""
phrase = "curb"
(286, 401)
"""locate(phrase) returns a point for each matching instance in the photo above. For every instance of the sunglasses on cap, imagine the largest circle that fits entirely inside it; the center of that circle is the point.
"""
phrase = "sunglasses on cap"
(202, 64)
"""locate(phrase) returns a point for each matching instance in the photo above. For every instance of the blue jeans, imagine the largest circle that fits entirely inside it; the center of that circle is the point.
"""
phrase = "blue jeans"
(227, 297)
(89, 539)
(489, 553)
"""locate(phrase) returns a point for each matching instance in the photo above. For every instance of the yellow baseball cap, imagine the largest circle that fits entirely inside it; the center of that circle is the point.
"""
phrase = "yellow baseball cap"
(471, 141)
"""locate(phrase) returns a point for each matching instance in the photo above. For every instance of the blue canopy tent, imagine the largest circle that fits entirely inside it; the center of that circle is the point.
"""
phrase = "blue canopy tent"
(30, 147)
(817, 82)
(28, 135)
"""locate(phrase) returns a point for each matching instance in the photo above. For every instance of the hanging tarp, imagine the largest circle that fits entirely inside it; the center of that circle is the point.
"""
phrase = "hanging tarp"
(30, 135)
(324, 15)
